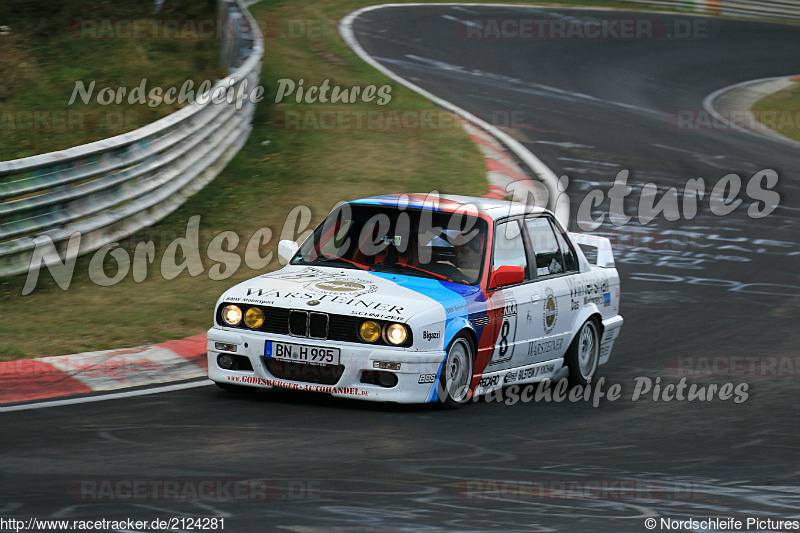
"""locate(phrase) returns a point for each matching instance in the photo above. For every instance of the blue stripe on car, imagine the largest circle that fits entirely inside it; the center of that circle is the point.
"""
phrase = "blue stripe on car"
(458, 301)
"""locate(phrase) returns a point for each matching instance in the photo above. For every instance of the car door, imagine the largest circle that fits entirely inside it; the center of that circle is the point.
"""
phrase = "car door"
(510, 307)
(555, 264)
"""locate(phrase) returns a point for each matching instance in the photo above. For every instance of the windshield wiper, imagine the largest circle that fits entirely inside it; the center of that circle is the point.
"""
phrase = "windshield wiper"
(418, 269)
(329, 257)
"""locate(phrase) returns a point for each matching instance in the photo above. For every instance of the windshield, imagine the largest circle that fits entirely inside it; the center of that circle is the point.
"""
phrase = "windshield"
(416, 242)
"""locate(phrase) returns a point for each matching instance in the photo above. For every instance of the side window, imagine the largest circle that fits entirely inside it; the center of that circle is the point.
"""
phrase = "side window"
(545, 245)
(508, 246)
(570, 260)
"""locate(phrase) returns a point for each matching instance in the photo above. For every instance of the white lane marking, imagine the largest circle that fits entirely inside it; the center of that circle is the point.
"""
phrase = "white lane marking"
(464, 22)
(564, 144)
(104, 397)
(588, 161)
(464, 10)
(516, 81)
(547, 176)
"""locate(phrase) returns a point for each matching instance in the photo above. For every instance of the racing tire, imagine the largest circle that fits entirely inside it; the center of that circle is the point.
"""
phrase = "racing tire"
(230, 387)
(456, 376)
(583, 355)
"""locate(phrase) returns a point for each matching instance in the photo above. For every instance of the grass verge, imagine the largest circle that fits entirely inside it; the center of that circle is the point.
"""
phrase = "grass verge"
(49, 46)
(781, 111)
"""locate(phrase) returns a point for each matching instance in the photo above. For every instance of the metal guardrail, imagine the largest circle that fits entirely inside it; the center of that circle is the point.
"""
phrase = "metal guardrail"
(760, 9)
(109, 189)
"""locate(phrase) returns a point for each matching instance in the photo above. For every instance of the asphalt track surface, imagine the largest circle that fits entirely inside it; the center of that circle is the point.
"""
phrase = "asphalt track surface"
(589, 109)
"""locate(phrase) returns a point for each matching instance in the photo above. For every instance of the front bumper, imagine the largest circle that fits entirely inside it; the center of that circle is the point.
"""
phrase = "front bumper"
(417, 378)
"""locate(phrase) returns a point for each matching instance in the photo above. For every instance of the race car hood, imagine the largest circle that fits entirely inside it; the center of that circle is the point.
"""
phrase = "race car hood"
(354, 292)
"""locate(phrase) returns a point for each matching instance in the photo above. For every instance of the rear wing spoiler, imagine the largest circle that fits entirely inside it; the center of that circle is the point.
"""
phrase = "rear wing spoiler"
(605, 257)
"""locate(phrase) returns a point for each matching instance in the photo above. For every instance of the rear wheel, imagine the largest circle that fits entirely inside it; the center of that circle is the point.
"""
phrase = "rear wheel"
(457, 372)
(583, 354)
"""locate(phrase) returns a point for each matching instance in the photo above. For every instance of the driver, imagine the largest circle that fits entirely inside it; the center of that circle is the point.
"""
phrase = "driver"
(468, 258)
(455, 256)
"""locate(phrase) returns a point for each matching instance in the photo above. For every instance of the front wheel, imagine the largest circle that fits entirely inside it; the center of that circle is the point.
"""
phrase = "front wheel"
(583, 354)
(457, 373)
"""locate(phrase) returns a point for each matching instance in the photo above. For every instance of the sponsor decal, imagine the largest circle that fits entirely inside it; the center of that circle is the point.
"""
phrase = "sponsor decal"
(352, 287)
(339, 286)
(430, 335)
(482, 321)
(575, 290)
(381, 316)
(526, 373)
(510, 309)
(427, 378)
(511, 377)
(592, 300)
(550, 315)
(535, 371)
(328, 282)
(489, 381)
(542, 347)
(261, 382)
(545, 369)
(451, 310)
(307, 274)
(606, 299)
(349, 299)
(584, 290)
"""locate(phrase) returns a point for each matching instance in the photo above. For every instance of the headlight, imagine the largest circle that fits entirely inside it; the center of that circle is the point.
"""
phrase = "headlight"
(254, 317)
(396, 334)
(231, 315)
(370, 331)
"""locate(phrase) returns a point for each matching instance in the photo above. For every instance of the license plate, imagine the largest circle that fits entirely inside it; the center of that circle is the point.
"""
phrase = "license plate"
(301, 353)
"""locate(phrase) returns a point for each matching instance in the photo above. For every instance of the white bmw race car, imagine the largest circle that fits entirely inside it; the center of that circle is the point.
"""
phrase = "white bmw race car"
(413, 298)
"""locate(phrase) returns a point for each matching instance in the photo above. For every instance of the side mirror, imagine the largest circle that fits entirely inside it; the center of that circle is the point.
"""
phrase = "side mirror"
(506, 275)
(287, 249)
